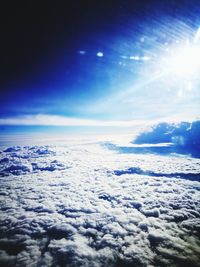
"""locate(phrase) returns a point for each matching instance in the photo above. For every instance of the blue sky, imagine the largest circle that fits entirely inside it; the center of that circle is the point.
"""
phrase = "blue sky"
(101, 65)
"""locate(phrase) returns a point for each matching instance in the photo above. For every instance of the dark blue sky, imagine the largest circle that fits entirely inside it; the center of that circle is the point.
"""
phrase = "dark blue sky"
(50, 63)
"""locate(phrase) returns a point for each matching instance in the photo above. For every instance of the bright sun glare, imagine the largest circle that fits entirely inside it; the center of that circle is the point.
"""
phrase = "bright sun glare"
(184, 60)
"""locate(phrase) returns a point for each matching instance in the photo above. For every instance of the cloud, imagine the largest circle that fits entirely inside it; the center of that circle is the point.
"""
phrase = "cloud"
(23, 160)
(54, 120)
(84, 214)
(184, 136)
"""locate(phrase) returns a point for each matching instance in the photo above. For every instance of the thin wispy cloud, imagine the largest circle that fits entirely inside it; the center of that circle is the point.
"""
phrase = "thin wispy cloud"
(56, 120)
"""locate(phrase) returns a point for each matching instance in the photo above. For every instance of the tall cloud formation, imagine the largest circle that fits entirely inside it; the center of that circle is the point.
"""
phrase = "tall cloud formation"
(69, 205)
(184, 136)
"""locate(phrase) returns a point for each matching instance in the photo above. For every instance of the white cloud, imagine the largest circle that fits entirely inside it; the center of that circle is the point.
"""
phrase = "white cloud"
(55, 120)
(81, 214)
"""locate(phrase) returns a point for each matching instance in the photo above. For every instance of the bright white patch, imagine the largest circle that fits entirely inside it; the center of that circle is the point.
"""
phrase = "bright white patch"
(146, 58)
(137, 58)
(99, 54)
(185, 60)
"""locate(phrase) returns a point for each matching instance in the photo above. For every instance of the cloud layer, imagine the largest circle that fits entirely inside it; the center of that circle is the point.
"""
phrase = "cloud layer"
(68, 205)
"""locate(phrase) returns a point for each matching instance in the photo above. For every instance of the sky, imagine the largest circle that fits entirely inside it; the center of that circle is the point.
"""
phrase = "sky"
(99, 63)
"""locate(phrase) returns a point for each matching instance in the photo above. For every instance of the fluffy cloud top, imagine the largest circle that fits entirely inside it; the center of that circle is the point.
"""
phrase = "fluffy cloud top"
(81, 205)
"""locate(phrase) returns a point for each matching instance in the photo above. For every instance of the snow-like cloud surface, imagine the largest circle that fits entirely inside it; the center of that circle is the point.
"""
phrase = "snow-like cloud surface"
(77, 205)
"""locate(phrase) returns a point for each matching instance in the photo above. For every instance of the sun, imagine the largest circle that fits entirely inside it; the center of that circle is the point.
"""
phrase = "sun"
(185, 60)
